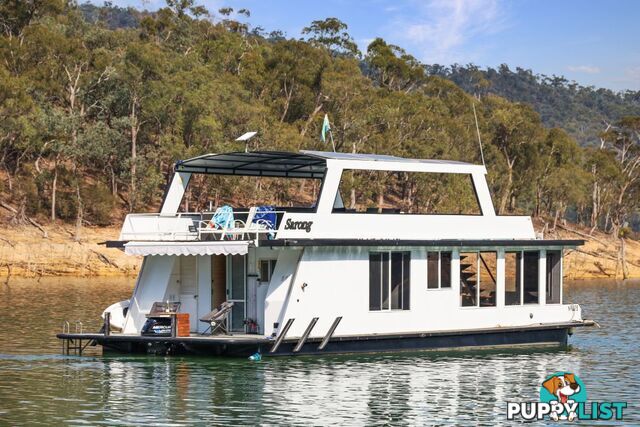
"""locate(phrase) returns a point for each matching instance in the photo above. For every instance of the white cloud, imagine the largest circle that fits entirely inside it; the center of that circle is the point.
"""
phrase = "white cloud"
(588, 69)
(443, 27)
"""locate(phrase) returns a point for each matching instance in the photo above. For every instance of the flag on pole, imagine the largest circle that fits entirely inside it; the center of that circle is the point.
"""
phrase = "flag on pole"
(326, 127)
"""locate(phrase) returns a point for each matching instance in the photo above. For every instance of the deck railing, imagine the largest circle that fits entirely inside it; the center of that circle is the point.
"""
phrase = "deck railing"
(196, 226)
(152, 227)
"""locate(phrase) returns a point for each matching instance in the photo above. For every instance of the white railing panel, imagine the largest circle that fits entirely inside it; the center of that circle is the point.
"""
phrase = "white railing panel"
(155, 227)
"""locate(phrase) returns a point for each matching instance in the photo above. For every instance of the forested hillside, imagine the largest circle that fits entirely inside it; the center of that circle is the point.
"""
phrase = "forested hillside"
(585, 112)
(95, 108)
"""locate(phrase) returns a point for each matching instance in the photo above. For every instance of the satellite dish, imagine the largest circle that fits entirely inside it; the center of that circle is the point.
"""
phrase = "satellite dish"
(246, 136)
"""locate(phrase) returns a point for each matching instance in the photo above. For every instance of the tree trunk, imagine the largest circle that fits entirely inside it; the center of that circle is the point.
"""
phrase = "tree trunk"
(555, 219)
(594, 205)
(79, 212)
(315, 111)
(54, 186)
(625, 271)
(134, 142)
(507, 190)
(114, 184)
(352, 202)
(287, 101)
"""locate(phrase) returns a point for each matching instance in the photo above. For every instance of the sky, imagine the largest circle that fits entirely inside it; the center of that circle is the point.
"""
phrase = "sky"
(594, 42)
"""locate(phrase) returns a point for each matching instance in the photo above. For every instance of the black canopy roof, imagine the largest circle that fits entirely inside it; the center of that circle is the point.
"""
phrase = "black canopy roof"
(257, 163)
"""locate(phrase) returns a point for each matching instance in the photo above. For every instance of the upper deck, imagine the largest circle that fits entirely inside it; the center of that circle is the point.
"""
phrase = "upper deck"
(328, 219)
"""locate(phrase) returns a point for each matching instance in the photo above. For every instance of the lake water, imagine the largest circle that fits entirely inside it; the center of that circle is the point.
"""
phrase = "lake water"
(40, 386)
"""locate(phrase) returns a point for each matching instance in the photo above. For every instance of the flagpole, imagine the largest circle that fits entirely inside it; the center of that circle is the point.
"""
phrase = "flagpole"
(331, 136)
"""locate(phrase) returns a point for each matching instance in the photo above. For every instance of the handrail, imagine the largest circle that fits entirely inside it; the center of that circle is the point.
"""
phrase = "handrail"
(191, 226)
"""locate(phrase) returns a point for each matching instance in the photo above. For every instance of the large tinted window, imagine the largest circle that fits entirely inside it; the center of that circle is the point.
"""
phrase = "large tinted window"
(554, 277)
(389, 280)
(438, 270)
(512, 275)
(445, 269)
(433, 261)
(377, 280)
(530, 273)
(366, 191)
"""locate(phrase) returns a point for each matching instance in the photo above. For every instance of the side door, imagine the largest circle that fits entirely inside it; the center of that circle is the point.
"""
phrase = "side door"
(237, 291)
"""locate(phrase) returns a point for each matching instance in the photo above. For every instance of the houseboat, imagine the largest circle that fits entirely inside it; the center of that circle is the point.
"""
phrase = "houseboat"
(340, 275)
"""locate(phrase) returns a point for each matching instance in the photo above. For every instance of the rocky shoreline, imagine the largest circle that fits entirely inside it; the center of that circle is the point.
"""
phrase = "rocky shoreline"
(25, 252)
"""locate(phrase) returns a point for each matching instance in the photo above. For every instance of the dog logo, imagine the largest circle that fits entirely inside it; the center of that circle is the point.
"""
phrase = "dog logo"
(563, 397)
(563, 390)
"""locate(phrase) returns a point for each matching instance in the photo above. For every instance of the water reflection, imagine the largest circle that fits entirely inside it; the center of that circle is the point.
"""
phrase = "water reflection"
(38, 385)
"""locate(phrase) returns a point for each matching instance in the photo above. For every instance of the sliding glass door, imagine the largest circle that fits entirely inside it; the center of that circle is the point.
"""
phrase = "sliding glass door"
(236, 290)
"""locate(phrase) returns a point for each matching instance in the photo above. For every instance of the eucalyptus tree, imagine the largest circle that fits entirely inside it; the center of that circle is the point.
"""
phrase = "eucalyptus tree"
(331, 33)
(516, 129)
(624, 140)
(392, 67)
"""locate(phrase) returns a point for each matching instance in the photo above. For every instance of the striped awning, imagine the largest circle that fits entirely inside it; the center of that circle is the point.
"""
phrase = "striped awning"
(187, 248)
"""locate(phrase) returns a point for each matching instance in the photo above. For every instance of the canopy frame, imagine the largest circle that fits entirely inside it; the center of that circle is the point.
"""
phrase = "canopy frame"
(257, 163)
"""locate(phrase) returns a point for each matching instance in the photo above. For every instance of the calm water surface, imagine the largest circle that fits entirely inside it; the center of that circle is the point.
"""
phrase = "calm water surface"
(39, 386)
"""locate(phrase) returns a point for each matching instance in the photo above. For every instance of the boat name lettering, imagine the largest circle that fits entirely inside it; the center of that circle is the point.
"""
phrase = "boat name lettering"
(298, 225)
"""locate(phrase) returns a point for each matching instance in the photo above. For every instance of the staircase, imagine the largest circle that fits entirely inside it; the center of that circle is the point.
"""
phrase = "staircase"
(468, 281)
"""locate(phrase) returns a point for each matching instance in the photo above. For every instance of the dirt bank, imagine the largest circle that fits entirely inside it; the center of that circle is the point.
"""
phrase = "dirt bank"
(24, 252)
(599, 258)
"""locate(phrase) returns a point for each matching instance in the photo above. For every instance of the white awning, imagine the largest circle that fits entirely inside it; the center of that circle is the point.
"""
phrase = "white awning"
(187, 248)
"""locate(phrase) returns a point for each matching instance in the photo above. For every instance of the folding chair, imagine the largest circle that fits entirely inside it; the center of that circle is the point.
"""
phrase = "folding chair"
(218, 319)
(222, 220)
(265, 219)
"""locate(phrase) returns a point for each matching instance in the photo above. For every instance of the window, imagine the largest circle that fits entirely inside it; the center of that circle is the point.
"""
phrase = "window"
(389, 280)
(530, 279)
(388, 192)
(488, 268)
(512, 278)
(445, 269)
(478, 279)
(438, 270)
(554, 277)
(521, 277)
(266, 269)
(468, 279)
(206, 192)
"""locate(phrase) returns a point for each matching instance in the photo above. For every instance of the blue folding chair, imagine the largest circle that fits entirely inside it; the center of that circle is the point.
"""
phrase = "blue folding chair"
(222, 219)
(266, 218)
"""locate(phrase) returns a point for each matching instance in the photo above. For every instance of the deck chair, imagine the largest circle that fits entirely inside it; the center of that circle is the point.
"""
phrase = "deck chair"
(218, 319)
(222, 220)
(243, 228)
(265, 219)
